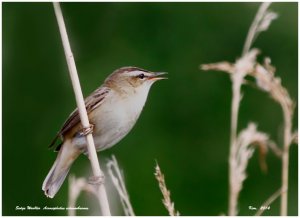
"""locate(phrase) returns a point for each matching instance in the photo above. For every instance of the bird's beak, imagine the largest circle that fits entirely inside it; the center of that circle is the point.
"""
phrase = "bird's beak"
(157, 76)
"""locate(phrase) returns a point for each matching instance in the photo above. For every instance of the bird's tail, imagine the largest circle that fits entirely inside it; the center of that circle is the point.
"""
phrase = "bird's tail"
(66, 156)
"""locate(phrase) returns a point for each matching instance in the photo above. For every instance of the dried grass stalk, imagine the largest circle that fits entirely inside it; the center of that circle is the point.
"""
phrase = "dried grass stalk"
(238, 72)
(165, 192)
(246, 142)
(264, 74)
(115, 174)
(269, 201)
(102, 196)
(261, 23)
(266, 81)
(76, 186)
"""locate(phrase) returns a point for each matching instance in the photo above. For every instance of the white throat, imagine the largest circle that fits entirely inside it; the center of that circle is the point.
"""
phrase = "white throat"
(136, 101)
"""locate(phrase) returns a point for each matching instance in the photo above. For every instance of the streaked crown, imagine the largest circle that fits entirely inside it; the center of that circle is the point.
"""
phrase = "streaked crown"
(132, 77)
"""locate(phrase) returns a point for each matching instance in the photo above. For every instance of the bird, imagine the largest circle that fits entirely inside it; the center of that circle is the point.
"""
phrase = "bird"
(112, 109)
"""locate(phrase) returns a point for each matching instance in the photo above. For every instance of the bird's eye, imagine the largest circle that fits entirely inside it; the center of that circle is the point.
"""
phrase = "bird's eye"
(141, 76)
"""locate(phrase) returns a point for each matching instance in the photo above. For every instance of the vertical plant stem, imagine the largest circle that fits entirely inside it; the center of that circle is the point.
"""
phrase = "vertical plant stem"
(237, 80)
(269, 201)
(114, 171)
(285, 160)
(253, 28)
(102, 196)
(72, 196)
(233, 193)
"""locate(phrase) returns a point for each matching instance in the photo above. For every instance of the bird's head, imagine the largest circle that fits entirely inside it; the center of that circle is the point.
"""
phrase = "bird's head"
(133, 79)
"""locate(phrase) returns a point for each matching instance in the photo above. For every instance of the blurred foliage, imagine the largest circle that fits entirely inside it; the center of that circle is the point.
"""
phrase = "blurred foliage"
(185, 122)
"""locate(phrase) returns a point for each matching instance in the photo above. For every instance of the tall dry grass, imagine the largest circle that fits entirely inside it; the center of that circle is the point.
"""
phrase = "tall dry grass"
(169, 205)
(264, 75)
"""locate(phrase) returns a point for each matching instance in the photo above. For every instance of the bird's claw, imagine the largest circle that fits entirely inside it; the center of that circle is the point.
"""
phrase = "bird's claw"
(96, 180)
(87, 130)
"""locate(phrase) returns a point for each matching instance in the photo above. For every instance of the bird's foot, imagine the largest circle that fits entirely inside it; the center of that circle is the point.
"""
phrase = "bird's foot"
(96, 180)
(87, 130)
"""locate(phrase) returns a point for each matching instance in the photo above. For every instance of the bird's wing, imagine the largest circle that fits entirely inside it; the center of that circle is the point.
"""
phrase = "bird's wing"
(91, 102)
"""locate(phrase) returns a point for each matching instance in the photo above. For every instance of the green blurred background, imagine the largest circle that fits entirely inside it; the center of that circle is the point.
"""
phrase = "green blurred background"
(185, 122)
